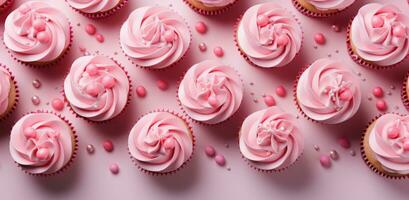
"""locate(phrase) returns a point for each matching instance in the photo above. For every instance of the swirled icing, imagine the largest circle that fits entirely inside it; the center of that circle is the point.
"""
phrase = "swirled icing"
(325, 5)
(210, 92)
(269, 35)
(328, 92)
(160, 142)
(5, 87)
(93, 6)
(154, 37)
(97, 88)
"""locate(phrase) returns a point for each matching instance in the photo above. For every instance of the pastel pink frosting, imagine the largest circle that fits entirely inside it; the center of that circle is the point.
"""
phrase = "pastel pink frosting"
(160, 142)
(37, 32)
(155, 37)
(325, 5)
(270, 139)
(328, 91)
(379, 34)
(93, 6)
(389, 140)
(210, 92)
(5, 86)
(97, 88)
(216, 3)
(269, 35)
(41, 143)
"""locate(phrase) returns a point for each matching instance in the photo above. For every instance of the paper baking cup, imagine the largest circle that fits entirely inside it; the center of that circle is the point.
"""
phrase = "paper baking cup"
(17, 95)
(101, 15)
(210, 12)
(404, 92)
(310, 13)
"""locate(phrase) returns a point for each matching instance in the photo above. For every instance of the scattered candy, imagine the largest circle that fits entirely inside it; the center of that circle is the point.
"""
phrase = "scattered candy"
(352, 153)
(393, 132)
(334, 155)
(90, 29)
(377, 21)
(344, 142)
(319, 38)
(325, 161)
(100, 38)
(92, 90)
(57, 104)
(336, 28)
(218, 51)
(114, 168)
(316, 147)
(29, 132)
(399, 31)
(140, 91)
(210, 151)
(108, 145)
(378, 92)
(169, 36)
(42, 153)
(35, 100)
(220, 160)
(90, 149)
(202, 47)
(280, 91)
(43, 37)
(269, 100)
(36, 84)
(381, 105)
(201, 27)
(163, 85)
(108, 82)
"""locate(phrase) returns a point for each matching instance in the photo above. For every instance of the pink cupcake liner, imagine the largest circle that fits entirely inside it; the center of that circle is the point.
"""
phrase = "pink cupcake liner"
(45, 64)
(74, 153)
(404, 93)
(366, 160)
(6, 5)
(212, 12)
(104, 14)
(17, 93)
(106, 121)
(309, 13)
(152, 173)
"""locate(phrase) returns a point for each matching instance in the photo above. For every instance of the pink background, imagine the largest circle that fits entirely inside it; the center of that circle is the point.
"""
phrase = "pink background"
(89, 177)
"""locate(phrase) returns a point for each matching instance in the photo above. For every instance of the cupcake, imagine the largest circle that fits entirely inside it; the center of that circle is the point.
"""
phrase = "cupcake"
(378, 36)
(97, 88)
(37, 33)
(155, 37)
(321, 8)
(4, 4)
(210, 7)
(270, 140)
(210, 92)
(268, 35)
(97, 8)
(161, 142)
(8, 92)
(43, 143)
(328, 92)
(385, 145)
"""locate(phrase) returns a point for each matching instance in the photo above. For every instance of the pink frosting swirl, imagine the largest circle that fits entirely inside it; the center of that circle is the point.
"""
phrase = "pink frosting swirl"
(97, 88)
(155, 37)
(328, 92)
(93, 6)
(5, 86)
(389, 140)
(160, 142)
(325, 5)
(379, 34)
(269, 35)
(216, 3)
(210, 92)
(42, 143)
(37, 32)
(270, 140)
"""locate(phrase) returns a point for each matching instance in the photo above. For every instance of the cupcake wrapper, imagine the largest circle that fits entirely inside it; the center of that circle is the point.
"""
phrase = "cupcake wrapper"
(366, 160)
(404, 93)
(105, 14)
(361, 61)
(44, 64)
(210, 12)
(309, 13)
(152, 173)
(17, 94)
(106, 121)
(6, 5)
(74, 153)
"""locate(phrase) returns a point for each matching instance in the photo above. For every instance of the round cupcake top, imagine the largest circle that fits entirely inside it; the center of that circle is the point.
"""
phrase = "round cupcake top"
(42, 143)
(97, 88)
(325, 5)
(210, 92)
(389, 140)
(379, 34)
(270, 140)
(37, 32)
(328, 92)
(93, 6)
(269, 35)
(155, 37)
(216, 3)
(160, 142)
(5, 86)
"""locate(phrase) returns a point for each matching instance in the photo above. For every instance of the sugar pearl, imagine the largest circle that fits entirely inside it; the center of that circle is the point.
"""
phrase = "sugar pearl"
(43, 37)
(269, 100)
(92, 89)
(344, 142)
(345, 95)
(100, 38)
(325, 161)
(282, 40)
(377, 21)
(108, 81)
(90, 149)
(218, 51)
(280, 91)
(163, 85)
(169, 36)
(90, 29)
(92, 69)
(334, 155)
(29, 132)
(114, 168)
(399, 31)
(213, 101)
(201, 27)
(36, 84)
(319, 38)
(393, 132)
(42, 153)
(57, 104)
(169, 143)
(378, 92)
(220, 160)
(202, 47)
(210, 151)
(406, 146)
(336, 28)
(39, 25)
(108, 145)
(140, 91)
(35, 100)
(381, 105)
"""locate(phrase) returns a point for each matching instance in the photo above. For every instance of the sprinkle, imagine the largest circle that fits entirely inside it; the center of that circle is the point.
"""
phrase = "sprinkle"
(57, 104)
(325, 161)
(140, 91)
(100, 38)
(35, 100)
(220, 160)
(90, 149)
(36, 83)
(108, 145)
(163, 85)
(377, 92)
(90, 29)
(269, 100)
(201, 27)
(334, 155)
(280, 91)
(218, 51)
(381, 105)
(344, 142)
(114, 168)
(319, 38)
(210, 151)
(202, 47)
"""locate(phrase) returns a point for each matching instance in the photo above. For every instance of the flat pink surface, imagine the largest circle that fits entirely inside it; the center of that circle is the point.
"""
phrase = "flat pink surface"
(90, 178)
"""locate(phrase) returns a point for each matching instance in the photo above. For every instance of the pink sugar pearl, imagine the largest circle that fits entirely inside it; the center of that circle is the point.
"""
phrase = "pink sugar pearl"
(201, 27)
(393, 132)
(210, 151)
(344, 142)
(140, 91)
(269, 100)
(92, 90)
(280, 91)
(169, 36)
(220, 160)
(262, 20)
(162, 85)
(90, 29)
(42, 153)
(213, 101)
(319, 38)
(29, 132)
(100, 38)
(377, 21)
(325, 161)
(169, 143)
(282, 40)
(108, 82)
(345, 95)
(57, 104)
(399, 31)
(92, 69)
(202, 47)
(114, 168)
(39, 25)
(381, 105)
(377, 92)
(406, 146)
(218, 51)
(108, 145)
(43, 37)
